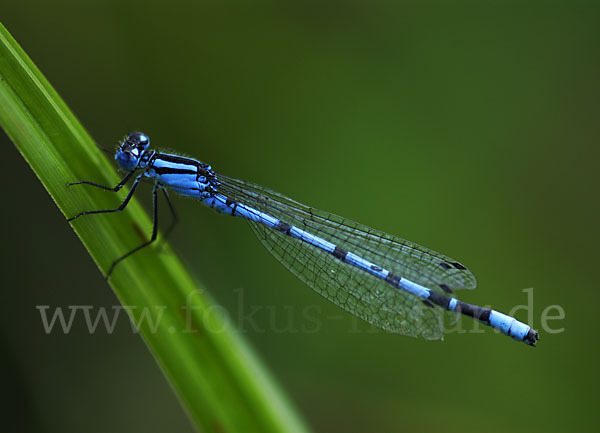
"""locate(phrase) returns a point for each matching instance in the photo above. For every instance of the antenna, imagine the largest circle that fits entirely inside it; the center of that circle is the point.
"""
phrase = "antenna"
(104, 149)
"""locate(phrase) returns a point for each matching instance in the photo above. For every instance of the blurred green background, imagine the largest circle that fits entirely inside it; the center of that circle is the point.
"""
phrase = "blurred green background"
(469, 127)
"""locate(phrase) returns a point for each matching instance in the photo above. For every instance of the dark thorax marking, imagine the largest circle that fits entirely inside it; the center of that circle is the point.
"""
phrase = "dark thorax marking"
(198, 168)
(169, 170)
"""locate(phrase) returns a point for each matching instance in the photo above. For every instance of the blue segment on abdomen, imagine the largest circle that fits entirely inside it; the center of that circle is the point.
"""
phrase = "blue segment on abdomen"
(221, 204)
(305, 236)
(509, 325)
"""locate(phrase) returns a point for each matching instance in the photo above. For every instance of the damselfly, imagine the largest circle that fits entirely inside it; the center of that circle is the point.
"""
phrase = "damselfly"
(389, 282)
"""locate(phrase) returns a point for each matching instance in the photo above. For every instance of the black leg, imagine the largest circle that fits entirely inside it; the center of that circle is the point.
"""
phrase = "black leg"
(120, 208)
(97, 185)
(173, 215)
(152, 238)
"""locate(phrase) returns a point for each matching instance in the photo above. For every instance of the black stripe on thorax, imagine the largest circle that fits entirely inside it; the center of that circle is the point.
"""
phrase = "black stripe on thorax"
(169, 170)
(178, 159)
(201, 169)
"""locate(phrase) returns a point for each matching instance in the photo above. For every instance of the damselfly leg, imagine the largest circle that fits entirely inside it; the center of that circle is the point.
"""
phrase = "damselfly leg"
(124, 205)
(174, 218)
(152, 238)
(108, 188)
(120, 208)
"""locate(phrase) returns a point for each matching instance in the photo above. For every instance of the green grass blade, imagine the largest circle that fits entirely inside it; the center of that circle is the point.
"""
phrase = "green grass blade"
(220, 382)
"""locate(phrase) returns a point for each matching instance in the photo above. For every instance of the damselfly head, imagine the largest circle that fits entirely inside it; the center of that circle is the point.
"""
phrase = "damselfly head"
(131, 150)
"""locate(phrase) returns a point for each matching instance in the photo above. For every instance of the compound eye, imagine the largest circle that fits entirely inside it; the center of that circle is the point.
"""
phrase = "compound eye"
(137, 140)
(143, 140)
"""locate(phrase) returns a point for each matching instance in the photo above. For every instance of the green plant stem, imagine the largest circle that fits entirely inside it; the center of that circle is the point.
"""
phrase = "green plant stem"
(217, 377)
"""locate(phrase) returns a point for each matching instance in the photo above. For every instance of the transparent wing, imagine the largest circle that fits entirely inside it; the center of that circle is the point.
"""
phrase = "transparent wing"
(407, 259)
(353, 290)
